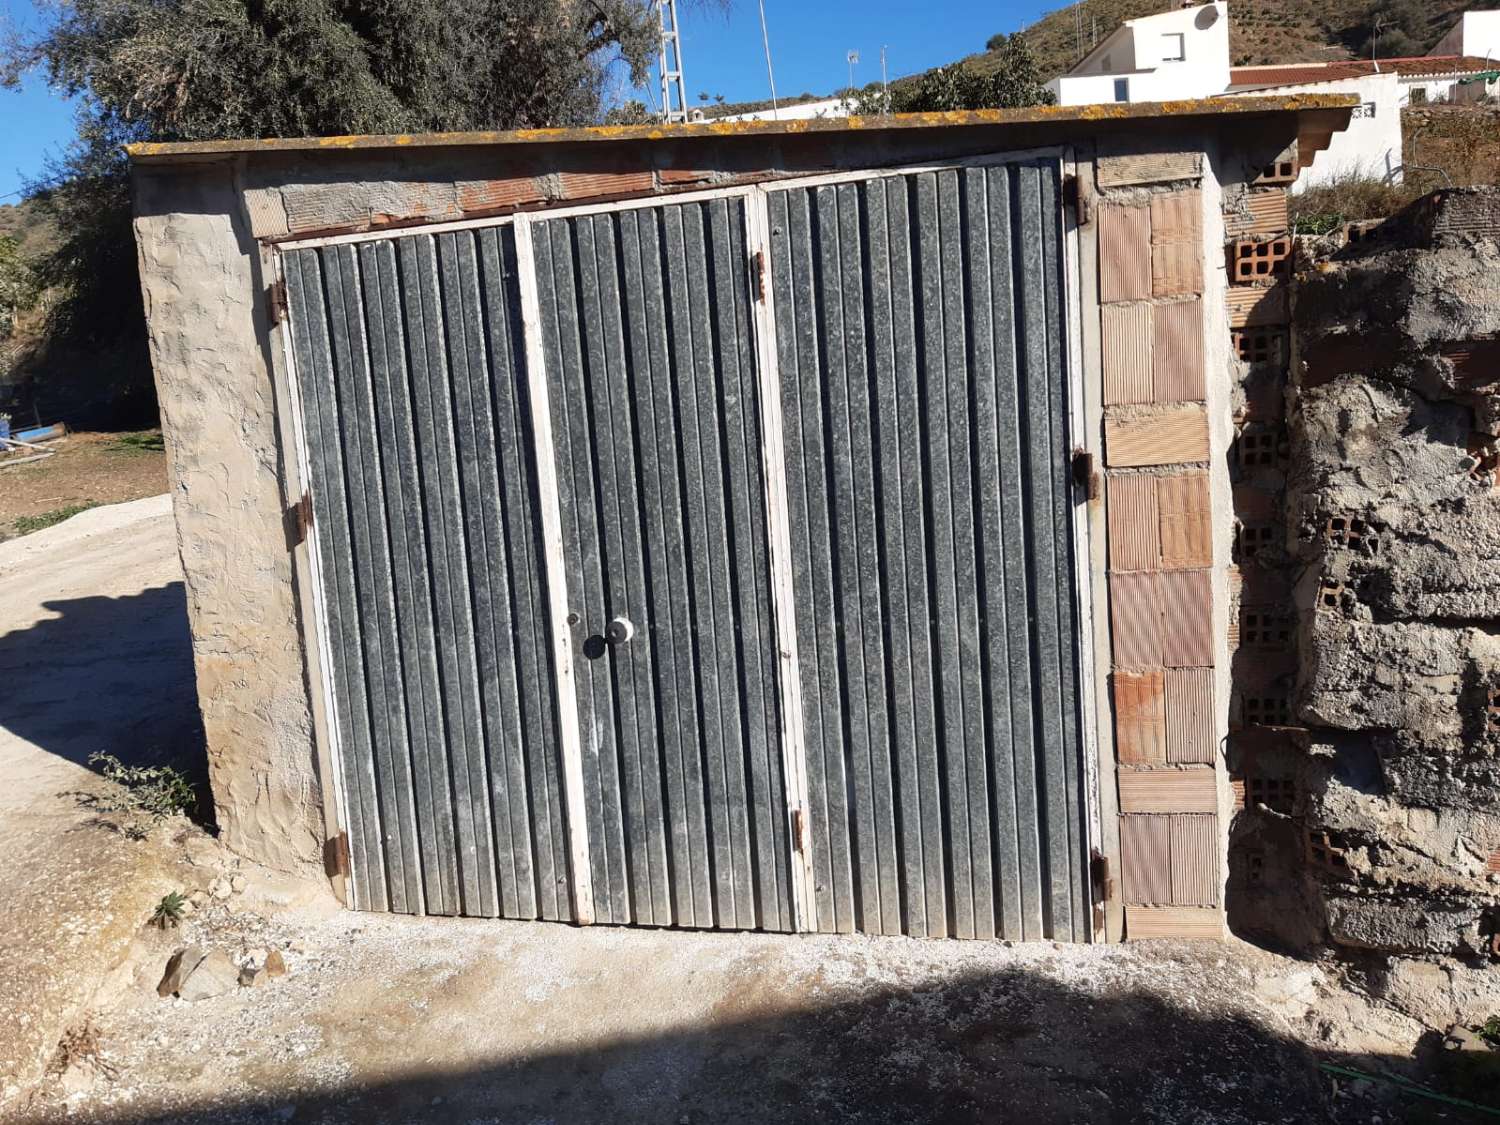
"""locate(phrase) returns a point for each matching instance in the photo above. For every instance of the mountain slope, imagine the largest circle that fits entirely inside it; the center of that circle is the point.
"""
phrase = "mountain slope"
(1260, 31)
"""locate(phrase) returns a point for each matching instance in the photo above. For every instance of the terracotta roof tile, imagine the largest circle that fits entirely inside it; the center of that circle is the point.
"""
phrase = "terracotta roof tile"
(1304, 74)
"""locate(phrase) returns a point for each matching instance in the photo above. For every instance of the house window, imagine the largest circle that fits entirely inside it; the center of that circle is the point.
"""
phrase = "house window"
(1122, 89)
(1419, 95)
(1174, 47)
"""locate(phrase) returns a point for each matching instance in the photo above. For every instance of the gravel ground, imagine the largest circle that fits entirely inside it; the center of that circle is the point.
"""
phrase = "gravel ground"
(392, 1019)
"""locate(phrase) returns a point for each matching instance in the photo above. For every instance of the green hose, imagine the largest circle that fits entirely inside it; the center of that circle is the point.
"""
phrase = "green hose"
(1407, 1087)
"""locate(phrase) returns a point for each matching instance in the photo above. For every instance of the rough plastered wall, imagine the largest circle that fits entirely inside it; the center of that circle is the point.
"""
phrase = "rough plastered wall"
(1372, 770)
(218, 413)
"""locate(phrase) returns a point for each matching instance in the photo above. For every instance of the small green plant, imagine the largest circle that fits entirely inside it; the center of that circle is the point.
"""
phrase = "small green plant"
(168, 913)
(156, 792)
(25, 525)
(1489, 1031)
(147, 441)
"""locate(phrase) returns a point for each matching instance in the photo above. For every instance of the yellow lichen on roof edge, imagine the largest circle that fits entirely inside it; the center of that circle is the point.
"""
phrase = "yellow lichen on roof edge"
(1111, 111)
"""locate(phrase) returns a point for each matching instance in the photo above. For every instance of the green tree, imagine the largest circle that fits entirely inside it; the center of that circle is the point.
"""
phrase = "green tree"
(17, 291)
(632, 112)
(1393, 29)
(175, 70)
(16, 286)
(1015, 82)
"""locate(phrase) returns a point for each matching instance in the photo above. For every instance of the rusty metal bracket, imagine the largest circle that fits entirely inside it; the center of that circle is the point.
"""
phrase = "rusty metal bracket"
(276, 300)
(1076, 198)
(297, 521)
(1101, 878)
(336, 855)
(1085, 476)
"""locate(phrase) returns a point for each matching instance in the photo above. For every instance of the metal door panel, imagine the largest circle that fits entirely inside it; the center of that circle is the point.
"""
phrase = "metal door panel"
(649, 353)
(920, 348)
(415, 420)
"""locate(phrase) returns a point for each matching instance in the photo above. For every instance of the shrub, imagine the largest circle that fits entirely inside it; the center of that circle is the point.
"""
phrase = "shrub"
(1326, 206)
(156, 792)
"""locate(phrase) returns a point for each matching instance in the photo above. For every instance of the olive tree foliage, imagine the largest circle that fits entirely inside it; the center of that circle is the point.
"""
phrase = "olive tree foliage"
(1013, 82)
(16, 286)
(183, 70)
(17, 290)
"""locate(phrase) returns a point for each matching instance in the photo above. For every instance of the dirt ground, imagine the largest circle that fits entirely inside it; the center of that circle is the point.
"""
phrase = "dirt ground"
(390, 1019)
(94, 656)
(96, 468)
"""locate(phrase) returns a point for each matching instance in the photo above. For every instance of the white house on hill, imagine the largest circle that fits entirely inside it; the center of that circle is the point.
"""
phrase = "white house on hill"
(1177, 54)
(1476, 35)
(1185, 54)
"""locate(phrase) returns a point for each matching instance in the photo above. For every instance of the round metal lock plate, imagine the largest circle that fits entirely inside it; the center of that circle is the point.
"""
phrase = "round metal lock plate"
(618, 631)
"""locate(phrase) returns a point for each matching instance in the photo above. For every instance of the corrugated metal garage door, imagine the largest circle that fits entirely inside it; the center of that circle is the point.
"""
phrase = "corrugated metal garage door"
(715, 552)
(419, 441)
(920, 344)
(646, 322)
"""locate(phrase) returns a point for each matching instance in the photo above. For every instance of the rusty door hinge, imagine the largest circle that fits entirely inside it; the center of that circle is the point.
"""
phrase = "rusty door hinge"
(336, 855)
(758, 268)
(1074, 197)
(799, 831)
(1099, 875)
(1085, 476)
(297, 521)
(276, 295)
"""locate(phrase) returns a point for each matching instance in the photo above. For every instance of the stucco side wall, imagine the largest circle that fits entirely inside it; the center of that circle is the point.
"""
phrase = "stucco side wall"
(208, 338)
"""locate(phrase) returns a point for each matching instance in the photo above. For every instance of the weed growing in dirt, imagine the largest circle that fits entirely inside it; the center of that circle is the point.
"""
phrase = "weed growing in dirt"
(1490, 1031)
(1345, 198)
(79, 1043)
(156, 792)
(25, 525)
(146, 441)
(168, 912)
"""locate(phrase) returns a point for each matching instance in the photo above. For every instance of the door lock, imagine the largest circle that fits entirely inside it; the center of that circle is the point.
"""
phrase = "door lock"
(618, 631)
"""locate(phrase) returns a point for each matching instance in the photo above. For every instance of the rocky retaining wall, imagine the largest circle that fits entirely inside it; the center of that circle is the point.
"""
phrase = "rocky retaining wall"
(1368, 748)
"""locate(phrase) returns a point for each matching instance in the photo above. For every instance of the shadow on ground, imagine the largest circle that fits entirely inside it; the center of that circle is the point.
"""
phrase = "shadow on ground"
(108, 674)
(994, 1047)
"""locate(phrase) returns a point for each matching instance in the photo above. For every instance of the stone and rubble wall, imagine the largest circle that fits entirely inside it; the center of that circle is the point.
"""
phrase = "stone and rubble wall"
(1367, 754)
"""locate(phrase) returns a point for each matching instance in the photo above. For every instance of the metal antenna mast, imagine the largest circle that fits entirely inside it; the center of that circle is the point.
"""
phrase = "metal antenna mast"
(670, 62)
(765, 38)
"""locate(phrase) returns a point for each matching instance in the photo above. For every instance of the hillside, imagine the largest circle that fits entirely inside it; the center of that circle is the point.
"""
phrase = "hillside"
(1261, 31)
(29, 225)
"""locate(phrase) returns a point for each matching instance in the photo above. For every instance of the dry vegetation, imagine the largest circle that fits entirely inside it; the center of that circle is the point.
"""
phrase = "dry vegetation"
(1444, 146)
(1451, 144)
(27, 223)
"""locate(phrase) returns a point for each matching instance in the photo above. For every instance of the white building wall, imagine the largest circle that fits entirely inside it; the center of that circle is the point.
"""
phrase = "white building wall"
(800, 111)
(1476, 34)
(1142, 54)
(1440, 89)
(1371, 145)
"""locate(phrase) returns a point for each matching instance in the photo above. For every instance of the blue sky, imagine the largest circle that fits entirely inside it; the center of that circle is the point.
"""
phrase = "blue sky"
(809, 40)
(34, 123)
